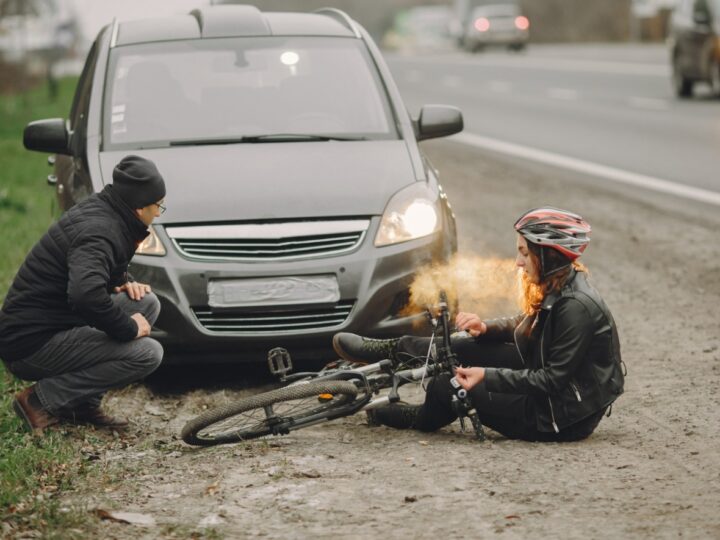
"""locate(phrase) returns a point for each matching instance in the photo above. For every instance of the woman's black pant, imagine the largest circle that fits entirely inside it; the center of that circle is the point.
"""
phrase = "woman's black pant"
(512, 415)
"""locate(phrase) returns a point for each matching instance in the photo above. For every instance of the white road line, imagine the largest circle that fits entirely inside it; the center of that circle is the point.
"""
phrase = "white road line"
(543, 63)
(567, 94)
(652, 104)
(588, 167)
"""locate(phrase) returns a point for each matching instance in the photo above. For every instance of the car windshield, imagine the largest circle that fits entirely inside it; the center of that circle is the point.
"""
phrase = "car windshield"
(497, 11)
(244, 90)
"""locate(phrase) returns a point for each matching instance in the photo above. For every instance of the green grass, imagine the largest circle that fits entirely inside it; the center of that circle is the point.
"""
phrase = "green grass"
(33, 469)
(26, 201)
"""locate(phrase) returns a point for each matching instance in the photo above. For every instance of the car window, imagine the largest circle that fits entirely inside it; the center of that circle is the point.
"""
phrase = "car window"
(509, 10)
(80, 103)
(162, 93)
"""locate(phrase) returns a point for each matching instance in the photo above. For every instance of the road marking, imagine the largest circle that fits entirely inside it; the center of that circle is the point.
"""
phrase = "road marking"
(544, 63)
(652, 104)
(567, 94)
(588, 167)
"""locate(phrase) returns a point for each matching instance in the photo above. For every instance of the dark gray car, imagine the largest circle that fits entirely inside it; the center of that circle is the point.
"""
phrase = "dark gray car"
(299, 203)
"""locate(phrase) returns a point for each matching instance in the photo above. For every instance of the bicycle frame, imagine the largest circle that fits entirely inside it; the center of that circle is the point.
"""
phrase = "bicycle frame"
(372, 378)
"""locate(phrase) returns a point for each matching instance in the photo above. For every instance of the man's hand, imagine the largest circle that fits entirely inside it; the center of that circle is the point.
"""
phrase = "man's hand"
(469, 376)
(471, 323)
(134, 290)
(142, 324)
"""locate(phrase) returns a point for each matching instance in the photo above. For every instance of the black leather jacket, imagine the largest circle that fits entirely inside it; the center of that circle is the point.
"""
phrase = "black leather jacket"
(571, 352)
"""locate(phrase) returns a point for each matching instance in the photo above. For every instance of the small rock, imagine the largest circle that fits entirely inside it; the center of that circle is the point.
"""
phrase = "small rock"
(410, 498)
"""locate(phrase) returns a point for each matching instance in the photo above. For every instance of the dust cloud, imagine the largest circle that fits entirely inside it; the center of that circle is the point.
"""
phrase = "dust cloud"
(481, 285)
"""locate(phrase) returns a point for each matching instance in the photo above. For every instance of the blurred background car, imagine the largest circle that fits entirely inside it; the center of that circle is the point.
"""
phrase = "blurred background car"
(420, 29)
(500, 24)
(37, 32)
(299, 202)
(694, 43)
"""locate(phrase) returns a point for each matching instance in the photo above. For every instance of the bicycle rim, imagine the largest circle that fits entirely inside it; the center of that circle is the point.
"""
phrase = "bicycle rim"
(276, 412)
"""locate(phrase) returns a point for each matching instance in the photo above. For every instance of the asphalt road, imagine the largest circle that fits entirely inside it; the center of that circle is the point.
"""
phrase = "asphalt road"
(606, 105)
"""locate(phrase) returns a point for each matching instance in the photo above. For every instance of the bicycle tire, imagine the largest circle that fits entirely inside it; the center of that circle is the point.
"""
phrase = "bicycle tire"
(247, 418)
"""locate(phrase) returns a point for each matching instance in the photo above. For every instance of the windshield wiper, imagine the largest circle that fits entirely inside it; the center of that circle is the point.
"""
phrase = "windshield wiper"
(271, 137)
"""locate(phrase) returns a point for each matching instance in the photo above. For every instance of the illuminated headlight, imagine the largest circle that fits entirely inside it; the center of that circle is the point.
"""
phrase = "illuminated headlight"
(411, 213)
(151, 245)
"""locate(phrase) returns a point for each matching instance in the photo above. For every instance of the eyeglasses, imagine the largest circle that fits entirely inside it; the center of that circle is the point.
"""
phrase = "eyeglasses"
(161, 207)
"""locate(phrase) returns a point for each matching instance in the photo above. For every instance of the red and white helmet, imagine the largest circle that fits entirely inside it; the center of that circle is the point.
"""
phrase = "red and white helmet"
(558, 229)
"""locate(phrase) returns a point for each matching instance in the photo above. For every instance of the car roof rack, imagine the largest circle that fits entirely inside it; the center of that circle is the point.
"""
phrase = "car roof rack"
(114, 34)
(340, 16)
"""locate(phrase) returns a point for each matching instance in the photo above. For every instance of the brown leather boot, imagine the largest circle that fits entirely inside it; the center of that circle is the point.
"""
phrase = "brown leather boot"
(34, 418)
(93, 414)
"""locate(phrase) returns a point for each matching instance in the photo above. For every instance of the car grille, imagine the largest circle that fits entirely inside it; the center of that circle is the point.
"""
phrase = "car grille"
(276, 322)
(269, 242)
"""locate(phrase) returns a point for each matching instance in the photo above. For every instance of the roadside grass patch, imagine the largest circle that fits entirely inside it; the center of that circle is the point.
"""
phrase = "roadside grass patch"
(33, 470)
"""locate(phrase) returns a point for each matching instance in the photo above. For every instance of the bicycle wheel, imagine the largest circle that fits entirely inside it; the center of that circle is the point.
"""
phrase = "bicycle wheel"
(275, 412)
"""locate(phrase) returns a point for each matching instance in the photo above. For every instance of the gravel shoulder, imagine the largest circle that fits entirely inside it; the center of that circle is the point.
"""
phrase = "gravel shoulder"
(651, 470)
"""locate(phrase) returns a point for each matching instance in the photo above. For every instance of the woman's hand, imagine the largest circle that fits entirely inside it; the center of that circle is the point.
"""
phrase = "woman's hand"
(469, 376)
(471, 323)
(134, 290)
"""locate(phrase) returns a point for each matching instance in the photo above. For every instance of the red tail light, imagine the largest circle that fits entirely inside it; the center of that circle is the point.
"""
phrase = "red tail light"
(522, 23)
(482, 24)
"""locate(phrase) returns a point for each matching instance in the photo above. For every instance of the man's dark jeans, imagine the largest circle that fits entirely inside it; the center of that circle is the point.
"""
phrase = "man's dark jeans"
(77, 366)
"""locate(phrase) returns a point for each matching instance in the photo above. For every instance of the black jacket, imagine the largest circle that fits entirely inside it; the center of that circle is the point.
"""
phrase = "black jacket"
(571, 352)
(68, 275)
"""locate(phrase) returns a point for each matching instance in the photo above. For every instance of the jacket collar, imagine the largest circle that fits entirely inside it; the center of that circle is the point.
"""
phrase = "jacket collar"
(137, 229)
(550, 299)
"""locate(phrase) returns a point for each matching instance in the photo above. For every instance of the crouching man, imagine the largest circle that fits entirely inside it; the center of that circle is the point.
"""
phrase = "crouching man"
(73, 320)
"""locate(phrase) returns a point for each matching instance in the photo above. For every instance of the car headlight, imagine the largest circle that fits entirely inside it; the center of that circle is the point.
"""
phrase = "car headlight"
(411, 213)
(151, 245)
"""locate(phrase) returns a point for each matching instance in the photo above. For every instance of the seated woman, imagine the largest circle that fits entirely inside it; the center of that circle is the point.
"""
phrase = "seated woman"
(548, 374)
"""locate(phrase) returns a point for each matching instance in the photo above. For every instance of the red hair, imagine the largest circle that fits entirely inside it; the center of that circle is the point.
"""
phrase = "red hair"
(531, 295)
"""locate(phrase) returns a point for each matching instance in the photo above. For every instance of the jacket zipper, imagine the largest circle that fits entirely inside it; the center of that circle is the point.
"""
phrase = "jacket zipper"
(542, 361)
(575, 389)
(518, 346)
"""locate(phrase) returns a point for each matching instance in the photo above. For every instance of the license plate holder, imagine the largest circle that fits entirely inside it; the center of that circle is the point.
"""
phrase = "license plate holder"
(281, 291)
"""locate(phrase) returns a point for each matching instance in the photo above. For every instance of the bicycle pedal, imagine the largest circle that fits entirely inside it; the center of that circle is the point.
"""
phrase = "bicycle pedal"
(279, 361)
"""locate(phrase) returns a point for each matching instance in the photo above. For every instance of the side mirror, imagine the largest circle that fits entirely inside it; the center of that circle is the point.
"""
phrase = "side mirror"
(50, 136)
(438, 121)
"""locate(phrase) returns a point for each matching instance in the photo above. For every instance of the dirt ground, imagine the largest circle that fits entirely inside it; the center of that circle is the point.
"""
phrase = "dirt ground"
(651, 470)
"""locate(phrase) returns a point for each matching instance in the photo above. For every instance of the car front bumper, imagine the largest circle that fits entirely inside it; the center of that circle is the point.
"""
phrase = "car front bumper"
(374, 292)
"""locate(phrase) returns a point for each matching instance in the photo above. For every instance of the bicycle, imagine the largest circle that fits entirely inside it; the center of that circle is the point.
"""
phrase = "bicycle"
(340, 389)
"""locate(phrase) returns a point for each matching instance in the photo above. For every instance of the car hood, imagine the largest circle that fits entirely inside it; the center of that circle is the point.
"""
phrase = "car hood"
(242, 182)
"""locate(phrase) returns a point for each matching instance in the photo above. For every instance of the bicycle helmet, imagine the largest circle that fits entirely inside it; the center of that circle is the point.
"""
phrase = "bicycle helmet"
(560, 230)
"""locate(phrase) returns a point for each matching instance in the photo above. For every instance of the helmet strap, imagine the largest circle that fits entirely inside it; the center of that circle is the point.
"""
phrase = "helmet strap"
(543, 265)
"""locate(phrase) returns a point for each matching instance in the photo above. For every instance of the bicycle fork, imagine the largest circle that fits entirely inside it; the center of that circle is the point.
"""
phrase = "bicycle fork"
(464, 408)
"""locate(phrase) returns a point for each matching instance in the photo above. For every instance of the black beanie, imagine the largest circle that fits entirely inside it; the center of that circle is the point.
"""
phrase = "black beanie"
(138, 182)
